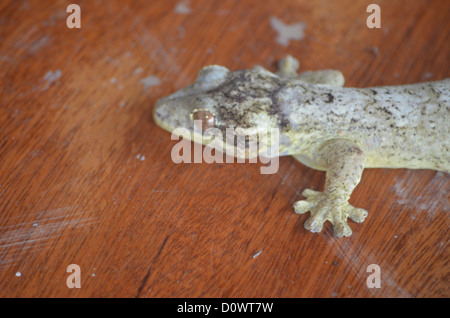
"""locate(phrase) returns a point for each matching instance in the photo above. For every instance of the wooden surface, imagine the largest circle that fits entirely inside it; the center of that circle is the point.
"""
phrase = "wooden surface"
(86, 176)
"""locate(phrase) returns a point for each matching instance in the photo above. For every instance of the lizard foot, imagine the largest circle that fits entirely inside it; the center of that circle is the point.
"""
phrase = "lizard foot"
(324, 208)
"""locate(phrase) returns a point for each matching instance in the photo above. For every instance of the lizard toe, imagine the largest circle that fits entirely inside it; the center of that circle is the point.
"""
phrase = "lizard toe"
(302, 206)
(308, 193)
(342, 229)
(356, 214)
(316, 220)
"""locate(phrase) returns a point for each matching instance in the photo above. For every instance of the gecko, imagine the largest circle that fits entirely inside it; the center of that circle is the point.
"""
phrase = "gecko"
(324, 125)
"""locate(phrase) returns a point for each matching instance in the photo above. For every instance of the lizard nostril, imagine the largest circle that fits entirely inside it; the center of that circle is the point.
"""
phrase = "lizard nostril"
(206, 118)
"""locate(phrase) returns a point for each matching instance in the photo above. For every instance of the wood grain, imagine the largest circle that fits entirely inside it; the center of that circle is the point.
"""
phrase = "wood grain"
(86, 176)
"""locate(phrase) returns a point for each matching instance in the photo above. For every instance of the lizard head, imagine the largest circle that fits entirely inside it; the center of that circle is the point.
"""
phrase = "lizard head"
(222, 101)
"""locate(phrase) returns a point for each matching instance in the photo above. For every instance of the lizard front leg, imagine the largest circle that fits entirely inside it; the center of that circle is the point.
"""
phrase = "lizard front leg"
(344, 163)
(289, 66)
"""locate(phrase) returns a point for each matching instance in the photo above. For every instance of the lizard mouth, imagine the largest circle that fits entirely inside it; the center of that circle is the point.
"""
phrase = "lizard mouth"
(239, 146)
(241, 142)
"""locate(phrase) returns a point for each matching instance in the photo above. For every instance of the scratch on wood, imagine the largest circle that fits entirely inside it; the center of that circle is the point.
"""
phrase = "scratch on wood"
(18, 240)
(433, 197)
(147, 275)
(359, 256)
(257, 254)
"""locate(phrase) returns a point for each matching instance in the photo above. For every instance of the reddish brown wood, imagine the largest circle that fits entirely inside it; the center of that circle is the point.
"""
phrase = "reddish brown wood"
(86, 176)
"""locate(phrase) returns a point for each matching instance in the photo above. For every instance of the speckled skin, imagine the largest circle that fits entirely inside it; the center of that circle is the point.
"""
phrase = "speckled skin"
(323, 125)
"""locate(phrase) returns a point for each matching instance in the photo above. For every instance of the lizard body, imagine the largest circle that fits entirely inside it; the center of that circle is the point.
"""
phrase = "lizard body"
(324, 125)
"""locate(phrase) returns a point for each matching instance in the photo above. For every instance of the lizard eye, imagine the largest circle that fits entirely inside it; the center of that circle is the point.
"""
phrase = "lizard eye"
(203, 117)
